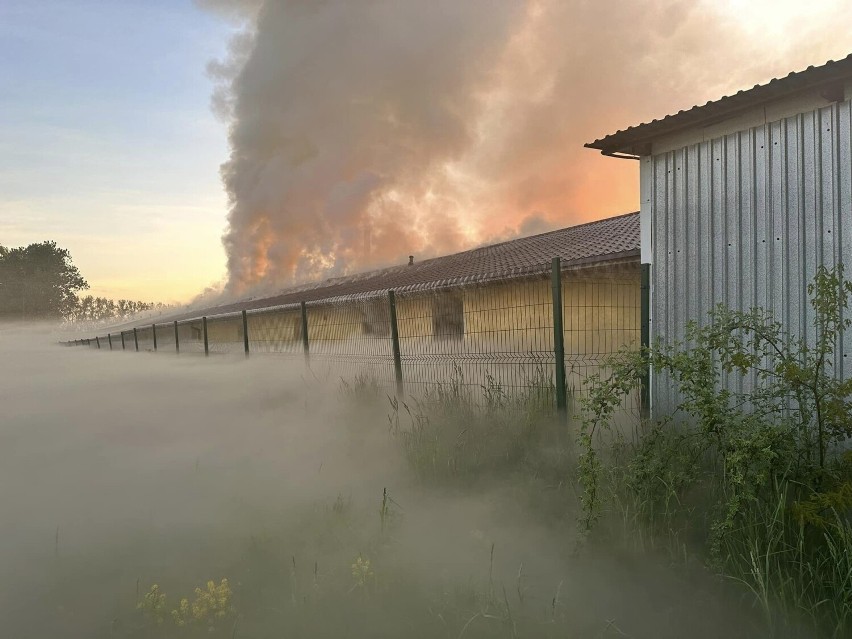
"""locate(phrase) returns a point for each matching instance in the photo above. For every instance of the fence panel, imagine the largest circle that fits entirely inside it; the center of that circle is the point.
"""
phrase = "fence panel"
(191, 336)
(601, 315)
(225, 334)
(493, 340)
(485, 339)
(351, 339)
(277, 330)
(145, 335)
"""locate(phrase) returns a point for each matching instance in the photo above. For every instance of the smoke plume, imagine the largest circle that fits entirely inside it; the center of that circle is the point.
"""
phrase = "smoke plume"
(362, 132)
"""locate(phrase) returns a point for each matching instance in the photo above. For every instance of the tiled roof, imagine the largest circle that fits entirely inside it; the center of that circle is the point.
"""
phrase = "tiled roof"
(615, 238)
(825, 75)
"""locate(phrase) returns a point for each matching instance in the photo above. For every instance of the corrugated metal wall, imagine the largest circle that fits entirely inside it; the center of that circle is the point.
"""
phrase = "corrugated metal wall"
(745, 220)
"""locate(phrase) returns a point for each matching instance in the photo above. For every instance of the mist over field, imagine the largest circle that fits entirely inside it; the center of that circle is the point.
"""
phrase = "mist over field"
(122, 470)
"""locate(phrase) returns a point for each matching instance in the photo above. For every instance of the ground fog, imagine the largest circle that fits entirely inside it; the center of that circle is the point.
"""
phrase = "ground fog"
(122, 471)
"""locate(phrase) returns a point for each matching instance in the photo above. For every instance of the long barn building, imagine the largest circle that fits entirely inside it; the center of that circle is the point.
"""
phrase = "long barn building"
(481, 318)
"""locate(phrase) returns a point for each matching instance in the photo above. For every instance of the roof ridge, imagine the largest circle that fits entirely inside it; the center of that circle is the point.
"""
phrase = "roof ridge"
(529, 237)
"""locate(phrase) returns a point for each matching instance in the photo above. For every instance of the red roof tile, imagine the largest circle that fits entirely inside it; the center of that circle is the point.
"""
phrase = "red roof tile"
(592, 243)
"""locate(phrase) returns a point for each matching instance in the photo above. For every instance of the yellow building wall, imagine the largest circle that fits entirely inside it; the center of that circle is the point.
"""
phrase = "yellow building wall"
(279, 330)
(600, 315)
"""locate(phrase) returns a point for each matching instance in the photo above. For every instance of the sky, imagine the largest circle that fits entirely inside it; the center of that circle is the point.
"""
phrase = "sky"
(114, 125)
(108, 144)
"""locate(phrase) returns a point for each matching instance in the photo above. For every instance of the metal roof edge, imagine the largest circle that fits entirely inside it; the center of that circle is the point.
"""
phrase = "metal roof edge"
(726, 106)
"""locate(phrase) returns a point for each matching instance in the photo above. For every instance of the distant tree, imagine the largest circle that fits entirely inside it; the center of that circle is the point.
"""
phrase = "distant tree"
(97, 309)
(38, 282)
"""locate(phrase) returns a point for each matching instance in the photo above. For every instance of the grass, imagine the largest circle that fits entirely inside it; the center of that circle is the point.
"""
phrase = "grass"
(796, 573)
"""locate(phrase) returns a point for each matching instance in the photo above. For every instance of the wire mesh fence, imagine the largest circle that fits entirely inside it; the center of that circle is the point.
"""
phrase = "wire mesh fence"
(500, 336)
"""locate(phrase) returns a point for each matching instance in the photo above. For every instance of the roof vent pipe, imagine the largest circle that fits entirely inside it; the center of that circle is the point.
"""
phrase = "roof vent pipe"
(410, 260)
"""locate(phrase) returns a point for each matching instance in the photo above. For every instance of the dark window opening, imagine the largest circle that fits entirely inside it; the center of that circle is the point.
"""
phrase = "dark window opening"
(376, 318)
(448, 316)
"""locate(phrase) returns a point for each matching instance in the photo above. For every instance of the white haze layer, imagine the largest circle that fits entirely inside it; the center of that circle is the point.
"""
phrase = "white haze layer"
(119, 470)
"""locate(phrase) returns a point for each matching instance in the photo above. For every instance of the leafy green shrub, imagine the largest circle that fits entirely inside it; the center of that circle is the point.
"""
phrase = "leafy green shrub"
(756, 440)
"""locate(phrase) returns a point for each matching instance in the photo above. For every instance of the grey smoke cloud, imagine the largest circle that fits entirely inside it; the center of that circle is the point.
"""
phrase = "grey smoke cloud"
(362, 132)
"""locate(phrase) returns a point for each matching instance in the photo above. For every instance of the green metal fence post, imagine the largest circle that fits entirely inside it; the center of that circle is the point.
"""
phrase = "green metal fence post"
(154, 333)
(558, 338)
(245, 333)
(177, 338)
(305, 343)
(136, 339)
(123, 346)
(397, 359)
(645, 337)
(109, 339)
(206, 343)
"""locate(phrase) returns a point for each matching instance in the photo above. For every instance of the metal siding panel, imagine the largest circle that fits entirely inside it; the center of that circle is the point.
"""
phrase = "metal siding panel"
(671, 227)
(761, 217)
(745, 227)
(705, 155)
(746, 219)
(843, 230)
(830, 203)
(695, 237)
(794, 252)
(776, 219)
(732, 221)
(646, 207)
(681, 269)
(717, 264)
(660, 283)
(731, 241)
(828, 156)
(810, 211)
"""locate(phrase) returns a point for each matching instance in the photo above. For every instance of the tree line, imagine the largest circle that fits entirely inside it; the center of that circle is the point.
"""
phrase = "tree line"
(40, 282)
